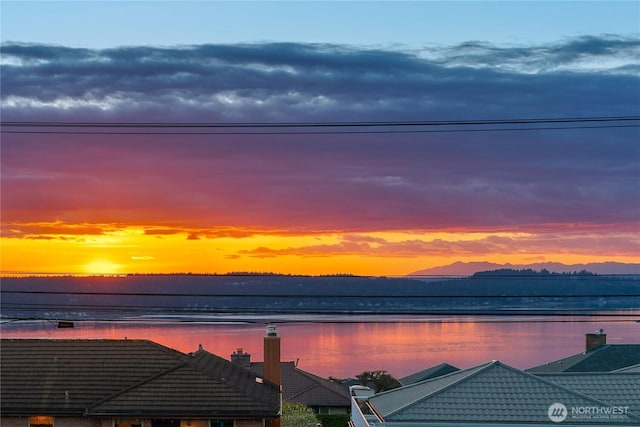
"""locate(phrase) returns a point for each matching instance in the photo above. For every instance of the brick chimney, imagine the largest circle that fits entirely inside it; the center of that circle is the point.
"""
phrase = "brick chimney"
(240, 358)
(272, 366)
(595, 340)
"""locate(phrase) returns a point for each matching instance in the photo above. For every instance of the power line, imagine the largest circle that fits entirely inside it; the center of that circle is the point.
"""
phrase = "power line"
(415, 317)
(322, 132)
(13, 310)
(318, 124)
(314, 128)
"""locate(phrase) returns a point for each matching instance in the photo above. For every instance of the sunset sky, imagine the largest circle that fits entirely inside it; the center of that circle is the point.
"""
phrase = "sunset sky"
(361, 200)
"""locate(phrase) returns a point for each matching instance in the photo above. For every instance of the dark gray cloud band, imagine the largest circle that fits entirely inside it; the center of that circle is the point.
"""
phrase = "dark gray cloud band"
(586, 76)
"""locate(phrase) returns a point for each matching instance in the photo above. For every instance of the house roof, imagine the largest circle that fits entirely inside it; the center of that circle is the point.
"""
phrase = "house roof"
(619, 388)
(632, 368)
(426, 374)
(605, 358)
(126, 377)
(304, 387)
(490, 393)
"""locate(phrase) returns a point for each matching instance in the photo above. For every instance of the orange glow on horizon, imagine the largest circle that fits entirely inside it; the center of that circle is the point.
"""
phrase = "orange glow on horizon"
(124, 250)
(102, 267)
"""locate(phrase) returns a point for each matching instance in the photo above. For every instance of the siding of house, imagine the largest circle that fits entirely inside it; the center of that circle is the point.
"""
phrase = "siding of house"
(57, 422)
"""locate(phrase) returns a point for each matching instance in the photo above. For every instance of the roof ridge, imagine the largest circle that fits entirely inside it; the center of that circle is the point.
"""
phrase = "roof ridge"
(320, 382)
(311, 387)
(569, 361)
(308, 374)
(597, 349)
(605, 349)
(180, 356)
(232, 367)
(570, 390)
(617, 373)
(496, 363)
(430, 370)
(135, 385)
(628, 369)
(465, 375)
(432, 367)
(227, 363)
(317, 381)
(323, 382)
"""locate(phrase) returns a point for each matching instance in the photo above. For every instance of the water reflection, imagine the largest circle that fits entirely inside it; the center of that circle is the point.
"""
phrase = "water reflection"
(345, 346)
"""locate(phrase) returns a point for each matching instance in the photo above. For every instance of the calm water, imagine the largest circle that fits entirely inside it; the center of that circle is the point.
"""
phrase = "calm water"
(343, 346)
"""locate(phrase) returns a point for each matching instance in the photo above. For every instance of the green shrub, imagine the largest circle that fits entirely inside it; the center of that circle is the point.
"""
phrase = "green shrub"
(334, 420)
(297, 415)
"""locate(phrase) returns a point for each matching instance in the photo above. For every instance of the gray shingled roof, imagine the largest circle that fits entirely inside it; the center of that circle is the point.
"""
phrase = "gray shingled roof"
(605, 358)
(632, 368)
(300, 386)
(619, 388)
(426, 374)
(126, 377)
(490, 393)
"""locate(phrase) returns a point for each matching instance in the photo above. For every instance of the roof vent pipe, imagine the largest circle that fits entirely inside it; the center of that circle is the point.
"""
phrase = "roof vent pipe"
(272, 331)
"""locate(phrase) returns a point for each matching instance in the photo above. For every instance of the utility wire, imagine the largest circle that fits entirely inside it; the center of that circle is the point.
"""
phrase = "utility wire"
(320, 132)
(317, 128)
(13, 310)
(515, 317)
(318, 124)
(328, 296)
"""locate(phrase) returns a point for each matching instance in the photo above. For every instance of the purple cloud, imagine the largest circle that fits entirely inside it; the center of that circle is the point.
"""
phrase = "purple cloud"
(524, 180)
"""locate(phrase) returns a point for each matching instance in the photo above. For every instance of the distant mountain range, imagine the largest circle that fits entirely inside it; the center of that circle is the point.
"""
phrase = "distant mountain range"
(469, 268)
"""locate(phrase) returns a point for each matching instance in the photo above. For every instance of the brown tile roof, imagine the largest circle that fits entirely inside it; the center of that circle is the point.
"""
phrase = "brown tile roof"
(300, 386)
(126, 377)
